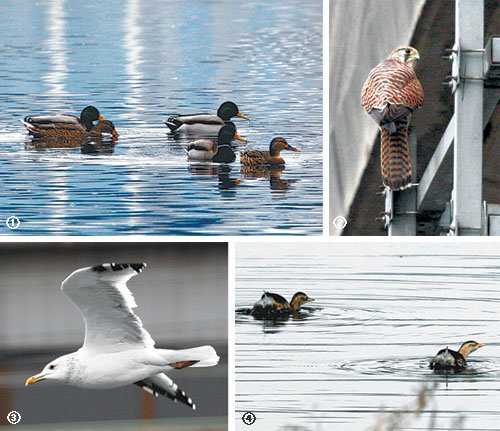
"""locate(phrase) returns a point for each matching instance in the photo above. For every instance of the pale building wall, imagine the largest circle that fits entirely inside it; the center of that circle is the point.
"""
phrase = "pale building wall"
(362, 33)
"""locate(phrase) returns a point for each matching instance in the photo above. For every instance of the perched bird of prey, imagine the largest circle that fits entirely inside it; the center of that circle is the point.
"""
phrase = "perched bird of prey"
(390, 94)
(117, 350)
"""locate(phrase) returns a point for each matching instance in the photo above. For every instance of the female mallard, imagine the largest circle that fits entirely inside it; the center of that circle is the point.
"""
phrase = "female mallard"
(69, 126)
(272, 305)
(204, 124)
(219, 150)
(448, 359)
(271, 157)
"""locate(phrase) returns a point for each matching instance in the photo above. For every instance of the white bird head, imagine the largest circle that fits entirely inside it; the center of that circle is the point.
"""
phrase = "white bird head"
(57, 370)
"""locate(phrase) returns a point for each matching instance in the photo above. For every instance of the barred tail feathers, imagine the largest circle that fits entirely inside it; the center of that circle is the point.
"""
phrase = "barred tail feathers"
(395, 156)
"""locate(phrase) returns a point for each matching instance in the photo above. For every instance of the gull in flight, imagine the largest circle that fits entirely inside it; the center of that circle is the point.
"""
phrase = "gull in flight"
(117, 350)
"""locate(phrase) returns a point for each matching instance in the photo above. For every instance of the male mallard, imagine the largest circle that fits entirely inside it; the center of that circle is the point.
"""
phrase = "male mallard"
(271, 157)
(219, 150)
(204, 124)
(69, 126)
(272, 305)
(449, 360)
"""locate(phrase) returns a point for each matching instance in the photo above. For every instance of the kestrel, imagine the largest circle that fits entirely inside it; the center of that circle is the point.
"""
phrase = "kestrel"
(390, 94)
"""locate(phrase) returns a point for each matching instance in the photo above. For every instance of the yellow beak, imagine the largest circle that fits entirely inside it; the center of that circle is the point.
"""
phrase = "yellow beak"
(480, 345)
(310, 299)
(101, 118)
(238, 137)
(239, 114)
(34, 379)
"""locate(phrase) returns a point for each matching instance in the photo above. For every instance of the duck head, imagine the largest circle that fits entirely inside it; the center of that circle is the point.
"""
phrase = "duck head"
(229, 110)
(278, 144)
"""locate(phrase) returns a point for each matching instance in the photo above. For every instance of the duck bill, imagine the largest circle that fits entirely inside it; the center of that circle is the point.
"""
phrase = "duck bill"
(115, 134)
(310, 299)
(34, 379)
(293, 149)
(480, 345)
(239, 138)
(101, 118)
(239, 114)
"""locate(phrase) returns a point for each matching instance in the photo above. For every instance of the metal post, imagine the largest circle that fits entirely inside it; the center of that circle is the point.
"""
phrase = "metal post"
(468, 155)
(404, 203)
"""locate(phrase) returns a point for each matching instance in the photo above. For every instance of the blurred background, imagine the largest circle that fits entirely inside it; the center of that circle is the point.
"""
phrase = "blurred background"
(181, 299)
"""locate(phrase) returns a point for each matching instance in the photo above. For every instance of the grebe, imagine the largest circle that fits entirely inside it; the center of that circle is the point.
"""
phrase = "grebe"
(448, 359)
(272, 305)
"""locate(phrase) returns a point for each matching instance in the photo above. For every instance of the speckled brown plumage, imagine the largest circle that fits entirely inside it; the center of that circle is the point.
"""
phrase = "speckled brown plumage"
(271, 157)
(390, 94)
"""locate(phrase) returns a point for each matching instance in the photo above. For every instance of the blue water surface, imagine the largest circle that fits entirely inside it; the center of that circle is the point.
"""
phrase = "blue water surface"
(138, 62)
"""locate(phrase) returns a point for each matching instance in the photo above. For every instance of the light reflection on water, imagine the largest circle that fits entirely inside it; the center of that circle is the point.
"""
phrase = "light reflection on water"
(138, 62)
(381, 313)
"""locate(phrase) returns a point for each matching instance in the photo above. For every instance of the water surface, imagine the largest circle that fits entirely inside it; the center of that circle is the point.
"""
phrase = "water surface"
(138, 62)
(382, 311)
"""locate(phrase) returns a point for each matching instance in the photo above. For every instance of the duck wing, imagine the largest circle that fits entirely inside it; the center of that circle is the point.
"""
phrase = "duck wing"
(255, 157)
(53, 121)
(198, 119)
(203, 145)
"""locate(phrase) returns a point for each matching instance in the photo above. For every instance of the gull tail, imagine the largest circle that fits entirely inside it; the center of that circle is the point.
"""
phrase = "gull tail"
(162, 385)
(204, 356)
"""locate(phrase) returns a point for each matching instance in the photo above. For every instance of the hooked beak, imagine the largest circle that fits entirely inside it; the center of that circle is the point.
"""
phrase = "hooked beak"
(239, 114)
(238, 137)
(101, 118)
(34, 379)
(293, 149)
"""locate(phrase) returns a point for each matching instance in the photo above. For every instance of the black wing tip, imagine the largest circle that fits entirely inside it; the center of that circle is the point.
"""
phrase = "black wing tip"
(155, 390)
(137, 267)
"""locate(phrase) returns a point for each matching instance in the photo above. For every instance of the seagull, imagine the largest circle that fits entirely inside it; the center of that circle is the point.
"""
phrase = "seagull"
(117, 350)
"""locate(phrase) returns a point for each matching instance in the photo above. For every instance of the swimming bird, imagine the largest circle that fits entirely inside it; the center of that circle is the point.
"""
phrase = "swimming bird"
(448, 359)
(69, 126)
(271, 157)
(117, 350)
(219, 150)
(272, 305)
(204, 124)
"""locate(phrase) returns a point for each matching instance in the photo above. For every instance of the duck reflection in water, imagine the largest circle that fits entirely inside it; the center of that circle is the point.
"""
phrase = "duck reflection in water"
(227, 183)
(272, 172)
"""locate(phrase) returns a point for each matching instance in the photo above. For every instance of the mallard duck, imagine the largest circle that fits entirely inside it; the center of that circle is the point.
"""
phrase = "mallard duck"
(204, 124)
(69, 126)
(219, 150)
(448, 359)
(272, 305)
(271, 157)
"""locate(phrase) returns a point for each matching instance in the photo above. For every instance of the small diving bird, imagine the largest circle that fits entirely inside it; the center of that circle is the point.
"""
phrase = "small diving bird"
(204, 124)
(272, 305)
(271, 157)
(448, 359)
(69, 126)
(219, 150)
(117, 350)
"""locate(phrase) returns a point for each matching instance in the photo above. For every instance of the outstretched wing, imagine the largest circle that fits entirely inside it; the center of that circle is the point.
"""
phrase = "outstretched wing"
(101, 293)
